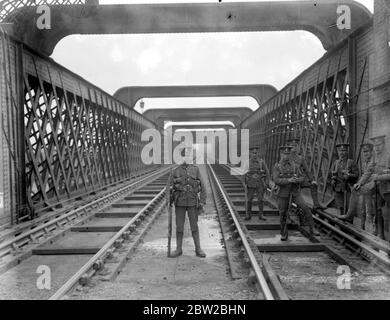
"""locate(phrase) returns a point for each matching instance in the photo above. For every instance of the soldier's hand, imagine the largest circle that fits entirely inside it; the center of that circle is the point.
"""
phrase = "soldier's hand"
(314, 182)
(357, 186)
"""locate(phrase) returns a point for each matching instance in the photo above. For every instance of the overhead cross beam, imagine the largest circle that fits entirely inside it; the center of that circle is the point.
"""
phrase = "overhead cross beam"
(317, 17)
(260, 92)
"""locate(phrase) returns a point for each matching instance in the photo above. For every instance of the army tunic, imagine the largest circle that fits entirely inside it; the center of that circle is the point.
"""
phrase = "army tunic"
(340, 182)
(366, 192)
(309, 178)
(282, 172)
(301, 163)
(186, 182)
(383, 181)
(256, 180)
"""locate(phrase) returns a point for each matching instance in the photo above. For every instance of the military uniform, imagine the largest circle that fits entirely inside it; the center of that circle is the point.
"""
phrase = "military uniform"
(186, 183)
(299, 160)
(283, 173)
(256, 181)
(382, 178)
(364, 191)
(344, 173)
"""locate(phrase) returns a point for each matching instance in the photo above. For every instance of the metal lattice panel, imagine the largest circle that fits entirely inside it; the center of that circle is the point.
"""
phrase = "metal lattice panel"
(320, 107)
(78, 139)
(8, 7)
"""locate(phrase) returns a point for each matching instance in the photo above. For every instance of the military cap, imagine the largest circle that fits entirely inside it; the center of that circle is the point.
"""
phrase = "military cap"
(367, 145)
(253, 148)
(285, 149)
(378, 139)
(342, 146)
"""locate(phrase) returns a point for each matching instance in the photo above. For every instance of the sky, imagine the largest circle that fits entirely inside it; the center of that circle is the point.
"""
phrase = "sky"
(115, 61)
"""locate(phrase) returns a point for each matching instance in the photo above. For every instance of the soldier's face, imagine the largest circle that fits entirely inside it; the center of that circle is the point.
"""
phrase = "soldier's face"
(284, 156)
(294, 146)
(186, 157)
(378, 147)
(367, 154)
(343, 153)
(253, 153)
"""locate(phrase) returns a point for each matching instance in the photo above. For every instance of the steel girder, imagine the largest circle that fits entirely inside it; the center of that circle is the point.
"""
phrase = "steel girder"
(320, 107)
(78, 139)
(8, 7)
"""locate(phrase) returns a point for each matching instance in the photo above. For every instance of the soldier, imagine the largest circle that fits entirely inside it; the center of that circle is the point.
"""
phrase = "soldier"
(256, 181)
(344, 173)
(382, 179)
(288, 177)
(309, 182)
(186, 183)
(363, 189)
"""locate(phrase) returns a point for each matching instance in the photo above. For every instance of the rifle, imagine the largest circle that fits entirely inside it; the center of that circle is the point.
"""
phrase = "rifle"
(170, 202)
(169, 227)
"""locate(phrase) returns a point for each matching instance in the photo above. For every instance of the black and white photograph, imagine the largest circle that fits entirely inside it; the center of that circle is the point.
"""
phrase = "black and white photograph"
(198, 157)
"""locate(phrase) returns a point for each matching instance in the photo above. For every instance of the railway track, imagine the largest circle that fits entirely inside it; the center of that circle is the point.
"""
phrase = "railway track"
(94, 239)
(305, 267)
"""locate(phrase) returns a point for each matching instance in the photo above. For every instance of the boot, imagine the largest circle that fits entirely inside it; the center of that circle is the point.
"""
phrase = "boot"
(283, 227)
(318, 206)
(381, 231)
(179, 245)
(261, 211)
(313, 230)
(248, 214)
(316, 202)
(348, 217)
(199, 252)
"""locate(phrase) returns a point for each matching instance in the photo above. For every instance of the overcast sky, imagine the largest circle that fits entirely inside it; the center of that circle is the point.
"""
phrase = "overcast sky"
(115, 61)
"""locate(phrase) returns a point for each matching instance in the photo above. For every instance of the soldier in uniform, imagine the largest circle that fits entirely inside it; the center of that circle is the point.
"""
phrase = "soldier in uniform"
(382, 179)
(309, 182)
(256, 181)
(186, 182)
(288, 177)
(363, 189)
(344, 173)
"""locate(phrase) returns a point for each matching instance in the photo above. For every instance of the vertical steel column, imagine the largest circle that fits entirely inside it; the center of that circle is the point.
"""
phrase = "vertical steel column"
(351, 108)
(22, 206)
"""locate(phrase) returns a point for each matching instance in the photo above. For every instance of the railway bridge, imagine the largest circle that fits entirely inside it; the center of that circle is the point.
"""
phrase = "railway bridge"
(64, 140)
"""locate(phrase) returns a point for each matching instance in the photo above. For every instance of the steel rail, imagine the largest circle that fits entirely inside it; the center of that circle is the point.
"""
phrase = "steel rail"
(29, 235)
(253, 261)
(45, 215)
(79, 274)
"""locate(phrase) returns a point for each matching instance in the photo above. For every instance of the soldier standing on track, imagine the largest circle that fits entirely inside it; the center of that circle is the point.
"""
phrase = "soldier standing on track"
(363, 189)
(309, 179)
(382, 179)
(344, 173)
(256, 181)
(186, 182)
(287, 177)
